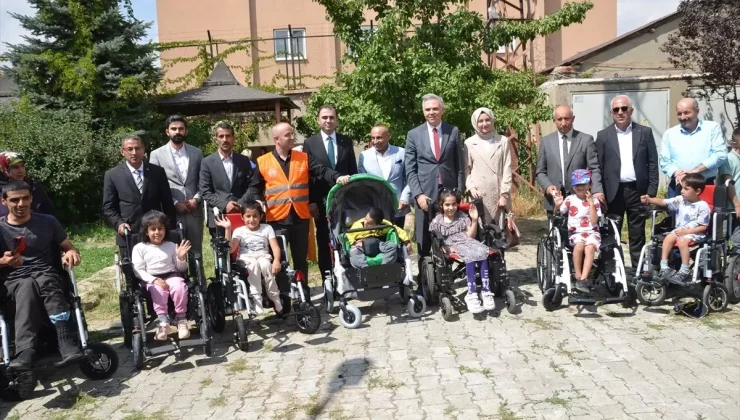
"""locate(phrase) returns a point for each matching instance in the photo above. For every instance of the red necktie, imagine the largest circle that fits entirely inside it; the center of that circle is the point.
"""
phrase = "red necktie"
(437, 147)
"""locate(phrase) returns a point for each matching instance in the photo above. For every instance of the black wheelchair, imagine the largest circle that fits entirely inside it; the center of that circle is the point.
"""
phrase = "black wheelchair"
(100, 360)
(137, 313)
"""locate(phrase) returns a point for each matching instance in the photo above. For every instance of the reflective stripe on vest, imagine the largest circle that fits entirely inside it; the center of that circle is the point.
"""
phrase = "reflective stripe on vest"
(282, 193)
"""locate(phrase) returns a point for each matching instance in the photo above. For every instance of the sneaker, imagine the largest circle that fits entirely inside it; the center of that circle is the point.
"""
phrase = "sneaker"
(583, 286)
(473, 303)
(183, 332)
(489, 303)
(163, 331)
(681, 278)
(665, 273)
(257, 301)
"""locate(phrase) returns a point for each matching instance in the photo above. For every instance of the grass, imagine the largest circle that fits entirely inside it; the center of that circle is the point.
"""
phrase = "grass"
(466, 369)
(329, 350)
(557, 368)
(657, 327)
(450, 410)
(206, 382)
(101, 336)
(217, 402)
(97, 246)
(237, 366)
(374, 381)
(140, 415)
(541, 324)
(527, 203)
(556, 400)
(505, 413)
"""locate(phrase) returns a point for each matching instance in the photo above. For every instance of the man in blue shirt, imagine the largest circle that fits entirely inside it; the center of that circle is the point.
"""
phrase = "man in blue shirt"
(693, 146)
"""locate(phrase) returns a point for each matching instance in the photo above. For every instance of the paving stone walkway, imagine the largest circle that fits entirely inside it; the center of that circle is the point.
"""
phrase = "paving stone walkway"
(607, 364)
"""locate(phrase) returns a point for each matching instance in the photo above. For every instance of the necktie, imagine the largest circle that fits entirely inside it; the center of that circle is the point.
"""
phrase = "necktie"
(565, 156)
(330, 152)
(437, 147)
(139, 180)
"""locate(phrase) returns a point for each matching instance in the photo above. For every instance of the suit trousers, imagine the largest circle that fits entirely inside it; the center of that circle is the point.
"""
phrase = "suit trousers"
(297, 237)
(31, 296)
(193, 225)
(322, 242)
(627, 200)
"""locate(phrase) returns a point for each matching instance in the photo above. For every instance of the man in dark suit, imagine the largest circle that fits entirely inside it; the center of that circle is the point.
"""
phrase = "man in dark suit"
(629, 169)
(226, 178)
(133, 188)
(561, 153)
(433, 160)
(336, 154)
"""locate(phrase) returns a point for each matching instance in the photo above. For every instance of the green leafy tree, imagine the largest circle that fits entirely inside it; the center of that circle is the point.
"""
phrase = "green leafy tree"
(430, 46)
(85, 55)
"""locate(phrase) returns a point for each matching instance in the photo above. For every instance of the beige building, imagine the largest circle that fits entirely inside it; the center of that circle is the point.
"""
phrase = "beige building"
(315, 55)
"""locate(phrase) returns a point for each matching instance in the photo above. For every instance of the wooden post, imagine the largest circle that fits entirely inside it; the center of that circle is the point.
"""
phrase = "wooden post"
(277, 112)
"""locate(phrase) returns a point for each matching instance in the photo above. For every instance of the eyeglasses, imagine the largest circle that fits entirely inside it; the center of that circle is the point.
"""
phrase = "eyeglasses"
(620, 108)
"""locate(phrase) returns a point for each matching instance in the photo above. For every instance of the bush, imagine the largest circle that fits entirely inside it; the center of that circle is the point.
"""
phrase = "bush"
(64, 153)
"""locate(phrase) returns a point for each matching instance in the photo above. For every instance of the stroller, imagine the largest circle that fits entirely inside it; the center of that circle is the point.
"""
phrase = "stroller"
(346, 204)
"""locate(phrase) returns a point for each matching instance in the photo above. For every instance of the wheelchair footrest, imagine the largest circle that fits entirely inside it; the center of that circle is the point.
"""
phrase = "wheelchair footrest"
(193, 342)
(165, 348)
(587, 301)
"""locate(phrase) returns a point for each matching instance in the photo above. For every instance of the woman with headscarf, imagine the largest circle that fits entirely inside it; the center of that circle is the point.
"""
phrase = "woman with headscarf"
(13, 168)
(488, 167)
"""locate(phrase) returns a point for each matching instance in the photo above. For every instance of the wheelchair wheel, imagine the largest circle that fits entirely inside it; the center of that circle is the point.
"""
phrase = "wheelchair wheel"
(732, 279)
(242, 339)
(350, 318)
(309, 322)
(427, 280)
(715, 297)
(101, 363)
(542, 264)
(127, 319)
(329, 305)
(216, 311)
(510, 300)
(551, 299)
(651, 294)
(25, 383)
(416, 307)
(611, 284)
(445, 304)
(138, 349)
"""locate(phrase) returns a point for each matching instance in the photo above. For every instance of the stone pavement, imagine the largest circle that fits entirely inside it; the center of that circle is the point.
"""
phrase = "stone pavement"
(608, 364)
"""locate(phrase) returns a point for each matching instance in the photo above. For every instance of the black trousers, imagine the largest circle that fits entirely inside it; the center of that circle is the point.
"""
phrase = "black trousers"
(627, 200)
(297, 236)
(31, 296)
(322, 241)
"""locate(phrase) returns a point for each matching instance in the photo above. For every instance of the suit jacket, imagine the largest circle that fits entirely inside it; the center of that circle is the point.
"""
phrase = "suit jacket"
(581, 155)
(346, 164)
(397, 177)
(123, 203)
(216, 188)
(182, 189)
(644, 157)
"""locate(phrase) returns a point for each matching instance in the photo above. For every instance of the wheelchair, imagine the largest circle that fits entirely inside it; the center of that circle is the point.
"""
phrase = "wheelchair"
(709, 255)
(555, 273)
(100, 360)
(442, 269)
(228, 292)
(137, 313)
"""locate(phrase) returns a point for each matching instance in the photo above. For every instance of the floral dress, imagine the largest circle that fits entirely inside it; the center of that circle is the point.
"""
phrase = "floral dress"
(689, 215)
(580, 228)
(456, 236)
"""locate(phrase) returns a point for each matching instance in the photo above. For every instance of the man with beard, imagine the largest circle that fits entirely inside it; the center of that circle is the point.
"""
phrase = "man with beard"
(181, 163)
(692, 146)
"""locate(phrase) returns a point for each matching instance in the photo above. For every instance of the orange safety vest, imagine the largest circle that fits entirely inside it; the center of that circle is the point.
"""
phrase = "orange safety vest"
(282, 193)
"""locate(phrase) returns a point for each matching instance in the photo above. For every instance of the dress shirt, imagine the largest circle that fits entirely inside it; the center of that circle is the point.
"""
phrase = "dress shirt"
(385, 161)
(182, 161)
(228, 163)
(431, 137)
(569, 142)
(685, 150)
(134, 171)
(627, 168)
(333, 136)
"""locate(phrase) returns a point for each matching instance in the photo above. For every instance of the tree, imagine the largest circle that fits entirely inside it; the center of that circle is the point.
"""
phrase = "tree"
(395, 65)
(85, 55)
(708, 41)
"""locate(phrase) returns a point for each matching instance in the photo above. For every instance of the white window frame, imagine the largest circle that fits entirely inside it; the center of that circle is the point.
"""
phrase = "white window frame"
(280, 39)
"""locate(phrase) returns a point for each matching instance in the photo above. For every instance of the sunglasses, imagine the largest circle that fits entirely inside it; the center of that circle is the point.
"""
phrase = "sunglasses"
(622, 108)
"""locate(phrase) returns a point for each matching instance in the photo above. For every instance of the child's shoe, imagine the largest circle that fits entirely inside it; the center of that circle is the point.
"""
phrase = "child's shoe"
(473, 303)
(183, 332)
(583, 286)
(681, 278)
(257, 301)
(489, 303)
(163, 330)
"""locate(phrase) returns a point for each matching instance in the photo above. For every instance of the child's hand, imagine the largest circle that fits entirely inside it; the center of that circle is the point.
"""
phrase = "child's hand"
(589, 197)
(275, 267)
(182, 250)
(473, 212)
(161, 283)
(679, 232)
(558, 200)
(222, 221)
(645, 199)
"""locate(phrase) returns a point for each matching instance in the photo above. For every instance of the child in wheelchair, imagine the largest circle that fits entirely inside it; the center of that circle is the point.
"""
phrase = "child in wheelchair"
(258, 253)
(370, 243)
(457, 231)
(160, 264)
(692, 221)
(583, 225)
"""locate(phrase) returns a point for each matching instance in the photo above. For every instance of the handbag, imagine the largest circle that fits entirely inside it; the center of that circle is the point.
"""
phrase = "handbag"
(512, 232)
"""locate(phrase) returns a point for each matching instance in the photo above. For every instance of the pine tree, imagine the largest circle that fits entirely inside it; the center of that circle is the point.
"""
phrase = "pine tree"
(85, 55)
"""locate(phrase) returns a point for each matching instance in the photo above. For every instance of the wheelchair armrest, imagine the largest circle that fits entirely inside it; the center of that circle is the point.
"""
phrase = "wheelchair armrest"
(437, 236)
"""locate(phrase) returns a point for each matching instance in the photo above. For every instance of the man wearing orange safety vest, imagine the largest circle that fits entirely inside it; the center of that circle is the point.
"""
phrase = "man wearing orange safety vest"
(283, 177)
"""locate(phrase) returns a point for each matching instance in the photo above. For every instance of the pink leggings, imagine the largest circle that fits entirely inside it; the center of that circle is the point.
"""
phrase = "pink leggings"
(178, 292)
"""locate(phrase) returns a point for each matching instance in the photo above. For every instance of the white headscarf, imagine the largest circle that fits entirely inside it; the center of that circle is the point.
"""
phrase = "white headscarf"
(474, 120)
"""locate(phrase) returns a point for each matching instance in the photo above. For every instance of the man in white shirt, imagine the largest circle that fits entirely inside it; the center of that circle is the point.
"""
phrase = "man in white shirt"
(387, 161)
(181, 162)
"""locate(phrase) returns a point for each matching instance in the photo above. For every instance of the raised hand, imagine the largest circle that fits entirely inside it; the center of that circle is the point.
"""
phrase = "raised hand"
(473, 212)
(222, 221)
(182, 249)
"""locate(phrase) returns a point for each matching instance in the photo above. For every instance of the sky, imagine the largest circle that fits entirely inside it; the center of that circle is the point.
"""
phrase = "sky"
(630, 15)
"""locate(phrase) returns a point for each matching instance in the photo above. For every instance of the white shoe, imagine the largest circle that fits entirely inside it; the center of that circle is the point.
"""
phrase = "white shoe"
(473, 303)
(489, 303)
(183, 331)
(257, 301)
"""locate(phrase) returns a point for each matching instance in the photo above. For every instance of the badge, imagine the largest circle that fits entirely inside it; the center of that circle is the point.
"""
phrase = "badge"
(272, 173)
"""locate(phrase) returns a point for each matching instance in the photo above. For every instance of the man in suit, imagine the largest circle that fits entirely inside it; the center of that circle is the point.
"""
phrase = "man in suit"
(629, 169)
(336, 154)
(432, 160)
(181, 163)
(133, 188)
(226, 178)
(561, 153)
(387, 161)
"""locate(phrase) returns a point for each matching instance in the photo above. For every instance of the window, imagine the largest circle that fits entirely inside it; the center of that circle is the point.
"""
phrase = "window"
(514, 44)
(367, 31)
(290, 49)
